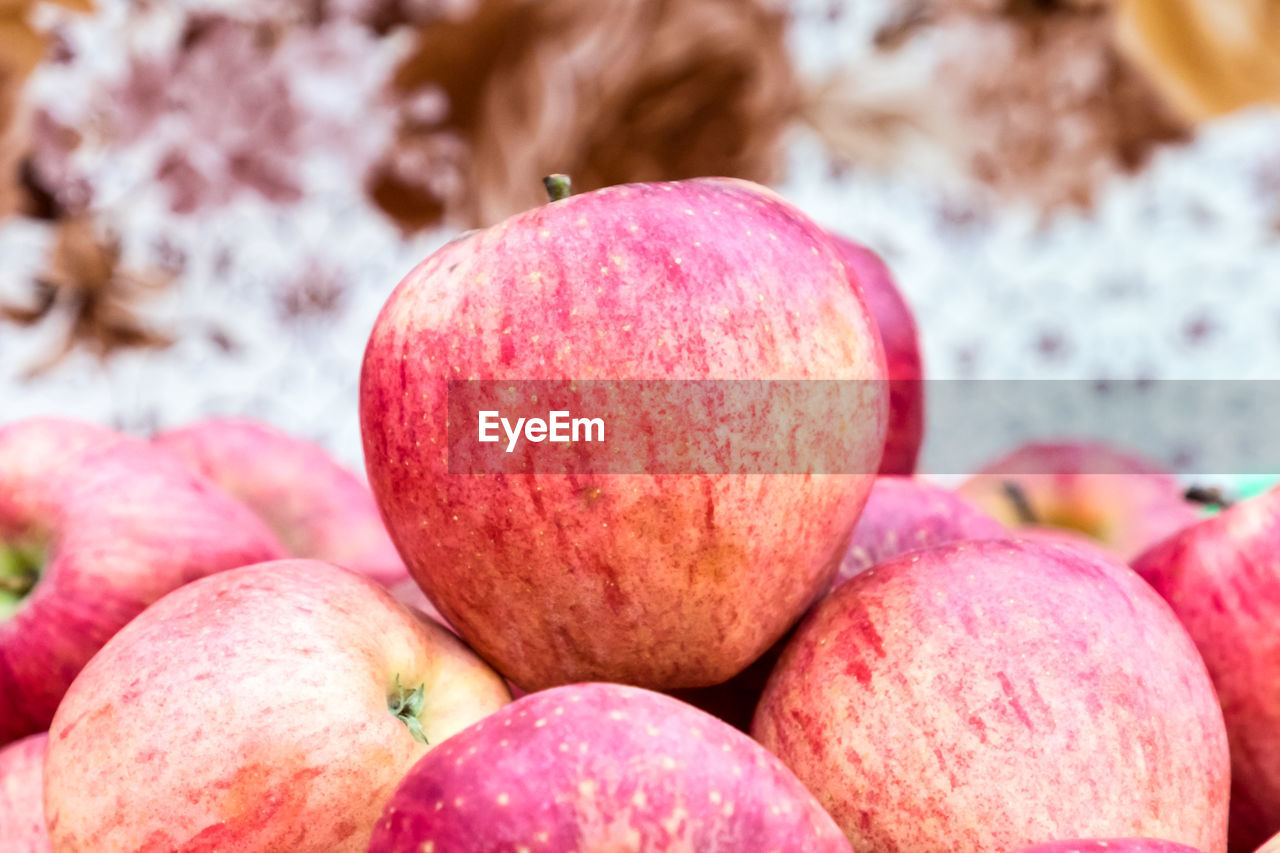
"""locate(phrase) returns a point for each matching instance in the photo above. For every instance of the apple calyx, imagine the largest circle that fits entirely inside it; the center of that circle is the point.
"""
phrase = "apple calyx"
(20, 567)
(559, 187)
(406, 706)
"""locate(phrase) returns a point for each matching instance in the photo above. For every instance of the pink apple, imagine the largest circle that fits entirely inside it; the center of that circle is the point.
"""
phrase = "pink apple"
(267, 708)
(991, 694)
(1222, 577)
(1110, 845)
(897, 328)
(659, 580)
(22, 828)
(904, 514)
(114, 525)
(1125, 502)
(317, 508)
(35, 451)
(602, 767)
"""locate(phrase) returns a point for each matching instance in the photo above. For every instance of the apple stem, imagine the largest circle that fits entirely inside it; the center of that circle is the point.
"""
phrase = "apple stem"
(1208, 496)
(19, 573)
(1021, 503)
(559, 187)
(406, 706)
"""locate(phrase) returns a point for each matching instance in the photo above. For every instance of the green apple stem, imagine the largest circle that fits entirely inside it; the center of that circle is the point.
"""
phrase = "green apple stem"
(1021, 503)
(406, 706)
(559, 187)
(19, 572)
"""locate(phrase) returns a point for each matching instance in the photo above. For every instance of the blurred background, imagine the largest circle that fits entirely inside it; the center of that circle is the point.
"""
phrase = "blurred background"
(204, 203)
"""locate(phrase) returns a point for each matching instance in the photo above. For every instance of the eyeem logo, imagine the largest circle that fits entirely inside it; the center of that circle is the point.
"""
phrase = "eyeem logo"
(559, 427)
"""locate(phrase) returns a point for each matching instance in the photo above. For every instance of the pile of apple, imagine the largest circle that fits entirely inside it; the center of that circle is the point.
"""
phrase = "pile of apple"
(218, 639)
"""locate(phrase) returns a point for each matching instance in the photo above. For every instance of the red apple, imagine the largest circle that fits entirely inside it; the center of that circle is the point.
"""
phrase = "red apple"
(317, 508)
(602, 767)
(991, 694)
(263, 709)
(1125, 502)
(114, 525)
(1110, 845)
(22, 827)
(1222, 577)
(903, 514)
(669, 580)
(897, 328)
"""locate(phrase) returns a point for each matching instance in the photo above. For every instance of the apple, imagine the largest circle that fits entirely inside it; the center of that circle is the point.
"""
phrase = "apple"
(986, 695)
(317, 508)
(35, 451)
(662, 580)
(897, 327)
(1125, 502)
(1110, 845)
(22, 827)
(114, 525)
(904, 514)
(1221, 576)
(408, 593)
(602, 767)
(901, 514)
(272, 707)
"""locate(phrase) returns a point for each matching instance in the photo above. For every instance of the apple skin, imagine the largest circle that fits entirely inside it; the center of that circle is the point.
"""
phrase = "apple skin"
(1221, 576)
(991, 694)
(36, 451)
(1110, 845)
(897, 326)
(248, 711)
(1125, 502)
(408, 593)
(22, 828)
(317, 508)
(118, 524)
(904, 514)
(661, 581)
(596, 767)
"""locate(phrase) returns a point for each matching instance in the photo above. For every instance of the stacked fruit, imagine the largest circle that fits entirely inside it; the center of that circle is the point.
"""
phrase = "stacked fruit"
(208, 640)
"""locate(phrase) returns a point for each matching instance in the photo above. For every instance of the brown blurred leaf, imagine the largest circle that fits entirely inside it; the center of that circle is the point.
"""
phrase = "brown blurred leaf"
(1048, 106)
(609, 91)
(84, 285)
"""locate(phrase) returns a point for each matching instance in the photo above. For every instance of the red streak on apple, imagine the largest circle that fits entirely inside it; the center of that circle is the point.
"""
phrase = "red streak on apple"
(1222, 577)
(991, 694)
(897, 327)
(603, 767)
(662, 581)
